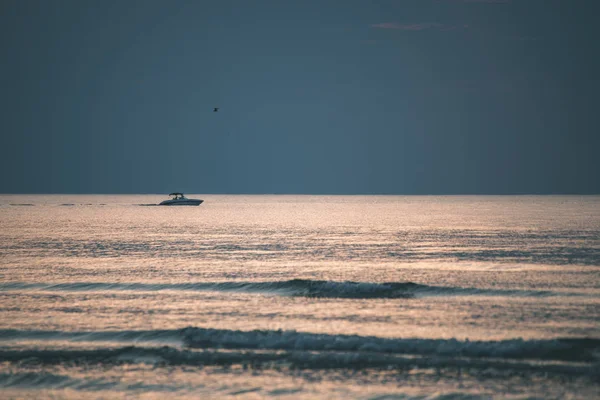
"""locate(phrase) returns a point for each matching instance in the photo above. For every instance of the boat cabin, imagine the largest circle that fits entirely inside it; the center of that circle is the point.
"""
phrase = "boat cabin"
(177, 196)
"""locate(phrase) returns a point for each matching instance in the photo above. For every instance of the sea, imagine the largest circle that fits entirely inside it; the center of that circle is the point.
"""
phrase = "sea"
(300, 297)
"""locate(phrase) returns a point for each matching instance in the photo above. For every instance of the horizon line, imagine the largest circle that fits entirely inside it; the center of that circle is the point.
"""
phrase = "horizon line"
(305, 194)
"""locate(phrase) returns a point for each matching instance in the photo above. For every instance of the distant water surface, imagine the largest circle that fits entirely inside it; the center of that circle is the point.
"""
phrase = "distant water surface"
(300, 297)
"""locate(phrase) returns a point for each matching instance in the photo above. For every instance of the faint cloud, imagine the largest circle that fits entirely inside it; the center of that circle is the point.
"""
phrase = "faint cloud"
(417, 26)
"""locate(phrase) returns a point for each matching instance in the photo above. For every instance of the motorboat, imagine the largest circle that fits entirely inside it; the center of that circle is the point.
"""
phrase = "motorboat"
(178, 199)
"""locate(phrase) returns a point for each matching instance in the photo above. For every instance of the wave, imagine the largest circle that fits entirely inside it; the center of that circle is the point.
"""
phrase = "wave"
(293, 287)
(34, 379)
(162, 356)
(560, 349)
(41, 380)
(127, 336)
(566, 349)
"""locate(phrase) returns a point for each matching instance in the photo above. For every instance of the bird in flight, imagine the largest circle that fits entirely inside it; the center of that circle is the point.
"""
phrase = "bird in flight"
(216, 109)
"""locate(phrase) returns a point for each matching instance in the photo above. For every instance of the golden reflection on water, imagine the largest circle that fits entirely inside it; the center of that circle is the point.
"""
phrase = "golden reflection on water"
(485, 268)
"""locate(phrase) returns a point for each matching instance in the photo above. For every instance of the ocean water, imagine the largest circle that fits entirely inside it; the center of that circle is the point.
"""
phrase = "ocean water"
(368, 297)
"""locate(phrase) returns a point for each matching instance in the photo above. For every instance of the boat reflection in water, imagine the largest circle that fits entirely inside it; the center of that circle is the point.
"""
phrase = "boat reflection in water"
(178, 199)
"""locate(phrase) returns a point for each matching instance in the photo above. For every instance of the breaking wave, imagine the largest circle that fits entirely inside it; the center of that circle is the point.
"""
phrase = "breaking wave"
(293, 287)
(584, 350)
(266, 359)
(567, 349)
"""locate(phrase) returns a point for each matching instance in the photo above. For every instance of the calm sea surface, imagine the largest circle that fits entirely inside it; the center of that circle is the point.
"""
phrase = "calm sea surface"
(300, 297)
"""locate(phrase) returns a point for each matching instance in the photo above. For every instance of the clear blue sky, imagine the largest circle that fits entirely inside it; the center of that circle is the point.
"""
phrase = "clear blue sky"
(396, 96)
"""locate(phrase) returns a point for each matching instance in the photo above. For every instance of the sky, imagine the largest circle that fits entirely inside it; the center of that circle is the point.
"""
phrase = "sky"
(316, 97)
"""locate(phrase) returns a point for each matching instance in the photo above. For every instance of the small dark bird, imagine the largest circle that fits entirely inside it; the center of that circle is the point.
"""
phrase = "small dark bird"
(216, 109)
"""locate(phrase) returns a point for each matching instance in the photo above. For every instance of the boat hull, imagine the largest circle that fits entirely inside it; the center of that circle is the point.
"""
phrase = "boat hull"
(185, 202)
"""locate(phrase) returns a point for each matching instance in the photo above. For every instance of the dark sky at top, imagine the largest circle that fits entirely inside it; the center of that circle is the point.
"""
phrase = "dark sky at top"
(380, 96)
